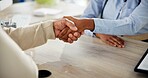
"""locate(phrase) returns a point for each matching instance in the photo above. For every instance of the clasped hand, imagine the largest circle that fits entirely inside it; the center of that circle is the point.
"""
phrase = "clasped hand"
(69, 29)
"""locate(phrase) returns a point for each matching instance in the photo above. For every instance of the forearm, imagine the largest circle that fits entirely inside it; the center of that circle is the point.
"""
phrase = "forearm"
(32, 36)
(135, 23)
(128, 26)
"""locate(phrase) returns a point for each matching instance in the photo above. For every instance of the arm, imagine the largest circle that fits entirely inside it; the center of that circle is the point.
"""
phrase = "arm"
(69, 36)
(13, 60)
(38, 34)
(32, 36)
(93, 10)
(128, 26)
(131, 25)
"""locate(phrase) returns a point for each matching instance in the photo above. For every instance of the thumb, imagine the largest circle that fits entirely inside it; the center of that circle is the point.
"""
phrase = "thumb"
(69, 17)
(71, 25)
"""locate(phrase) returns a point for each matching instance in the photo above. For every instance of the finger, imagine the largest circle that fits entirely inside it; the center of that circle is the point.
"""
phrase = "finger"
(78, 23)
(70, 41)
(110, 43)
(119, 41)
(65, 36)
(82, 33)
(65, 40)
(72, 37)
(69, 17)
(70, 24)
(77, 34)
(122, 42)
(116, 44)
(63, 32)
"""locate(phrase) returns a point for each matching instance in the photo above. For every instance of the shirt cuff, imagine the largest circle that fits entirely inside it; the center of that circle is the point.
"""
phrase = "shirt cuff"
(89, 33)
(99, 26)
(48, 29)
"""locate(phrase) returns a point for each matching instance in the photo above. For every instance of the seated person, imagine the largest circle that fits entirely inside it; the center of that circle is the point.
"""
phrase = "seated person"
(112, 18)
(14, 62)
(111, 12)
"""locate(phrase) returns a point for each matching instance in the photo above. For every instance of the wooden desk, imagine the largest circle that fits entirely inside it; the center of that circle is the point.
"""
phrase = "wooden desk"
(138, 37)
(91, 58)
(88, 57)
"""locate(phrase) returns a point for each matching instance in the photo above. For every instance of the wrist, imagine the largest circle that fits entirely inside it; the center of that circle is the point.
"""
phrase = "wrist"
(89, 24)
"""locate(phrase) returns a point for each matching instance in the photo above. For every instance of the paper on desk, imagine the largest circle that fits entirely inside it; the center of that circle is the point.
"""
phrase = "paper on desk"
(48, 11)
(50, 52)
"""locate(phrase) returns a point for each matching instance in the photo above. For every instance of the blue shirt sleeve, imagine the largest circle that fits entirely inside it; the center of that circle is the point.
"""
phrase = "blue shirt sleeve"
(137, 20)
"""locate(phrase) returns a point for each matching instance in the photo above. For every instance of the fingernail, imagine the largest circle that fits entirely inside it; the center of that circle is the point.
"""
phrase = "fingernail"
(123, 46)
(74, 27)
(70, 35)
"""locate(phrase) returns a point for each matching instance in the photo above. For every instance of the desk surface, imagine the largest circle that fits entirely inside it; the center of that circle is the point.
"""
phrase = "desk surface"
(91, 58)
(86, 58)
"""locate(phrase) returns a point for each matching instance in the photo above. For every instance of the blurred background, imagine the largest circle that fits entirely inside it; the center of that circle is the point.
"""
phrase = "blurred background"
(79, 2)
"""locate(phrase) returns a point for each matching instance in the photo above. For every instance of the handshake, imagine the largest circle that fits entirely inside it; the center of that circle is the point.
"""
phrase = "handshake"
(69, 29)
